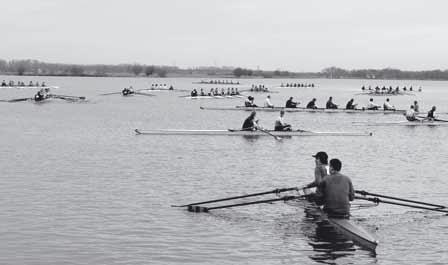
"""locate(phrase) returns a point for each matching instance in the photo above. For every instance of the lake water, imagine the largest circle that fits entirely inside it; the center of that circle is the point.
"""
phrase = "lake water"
(79, 187)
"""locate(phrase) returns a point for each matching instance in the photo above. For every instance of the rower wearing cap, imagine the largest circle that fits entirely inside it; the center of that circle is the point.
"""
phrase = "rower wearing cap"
(312, 104)
(335, 192)
(430, 116)
(372, 106)
(387, 105)
(267, 102)
(250, 124)
(410, 114)
(249, 102)
(320, 171)
(280, 125)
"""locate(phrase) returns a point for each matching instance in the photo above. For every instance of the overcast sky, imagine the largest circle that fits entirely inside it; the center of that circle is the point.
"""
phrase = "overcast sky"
(284, 34)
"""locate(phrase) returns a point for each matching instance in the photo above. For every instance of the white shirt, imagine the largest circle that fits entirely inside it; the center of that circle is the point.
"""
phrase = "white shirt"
(279, 121)
(387, 105)
(410, 115)
(268, 103)
(372, 105)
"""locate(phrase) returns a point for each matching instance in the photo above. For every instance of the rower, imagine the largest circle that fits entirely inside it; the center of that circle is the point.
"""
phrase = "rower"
(249, 102)
(320, 171)
(41, 94)
(372, 105)
(228, 91)
(211, 92)
(312, 104)
(363, 88)
(430, 116)
(416, 106)
(335, 192)
(171, 88)
(267, 102)
(291, 104)
(31, 83)
(202, 92)
(43, 84)
(4, 83)
(280, 125)
(250, 124)
(194, 93)
(387, 105)
(411, 115)
(223, 92)
(126, 91)
(350, 104)
(330, 104)
(236, 91)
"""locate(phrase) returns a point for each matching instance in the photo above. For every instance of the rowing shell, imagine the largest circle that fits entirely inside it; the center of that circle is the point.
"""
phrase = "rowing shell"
(213, 97)
(301, 109)
(404, 123)
(238, 132)
(32, 87)
(351, 231)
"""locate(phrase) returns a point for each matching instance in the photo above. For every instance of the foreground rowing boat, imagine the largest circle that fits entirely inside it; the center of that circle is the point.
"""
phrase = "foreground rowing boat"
(301, 109)
(403, 123)
(238, 132)
(32, 87)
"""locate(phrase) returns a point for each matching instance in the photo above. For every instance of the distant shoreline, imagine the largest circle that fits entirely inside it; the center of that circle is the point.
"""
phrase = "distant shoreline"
(38, 68)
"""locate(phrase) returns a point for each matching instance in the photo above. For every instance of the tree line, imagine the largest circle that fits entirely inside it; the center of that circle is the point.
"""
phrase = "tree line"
(35, 67)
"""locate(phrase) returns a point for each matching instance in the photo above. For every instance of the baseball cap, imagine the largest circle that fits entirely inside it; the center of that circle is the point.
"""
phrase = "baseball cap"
(322, 156)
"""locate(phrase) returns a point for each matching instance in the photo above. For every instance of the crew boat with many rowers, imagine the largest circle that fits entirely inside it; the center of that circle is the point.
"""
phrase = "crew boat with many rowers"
(301, 109)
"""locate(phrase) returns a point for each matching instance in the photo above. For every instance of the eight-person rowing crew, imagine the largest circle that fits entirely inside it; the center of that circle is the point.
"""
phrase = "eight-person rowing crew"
(220, 82)
(297, 85)
(390, 90)
(252, 124)
(215, 92)
(22, 84)
(160, 86)
(290, 103)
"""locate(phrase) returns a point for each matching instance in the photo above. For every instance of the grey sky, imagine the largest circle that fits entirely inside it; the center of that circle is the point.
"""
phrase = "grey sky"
(289, 35)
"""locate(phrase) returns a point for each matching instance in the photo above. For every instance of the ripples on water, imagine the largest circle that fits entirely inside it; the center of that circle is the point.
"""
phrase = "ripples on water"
(78, 187)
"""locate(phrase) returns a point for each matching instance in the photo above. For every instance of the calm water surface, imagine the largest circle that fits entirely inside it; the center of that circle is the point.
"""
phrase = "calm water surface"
(78, 187)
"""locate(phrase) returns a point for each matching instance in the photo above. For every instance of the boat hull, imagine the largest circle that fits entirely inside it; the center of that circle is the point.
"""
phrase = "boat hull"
(247, 133)
(404, 123)
(318, 110)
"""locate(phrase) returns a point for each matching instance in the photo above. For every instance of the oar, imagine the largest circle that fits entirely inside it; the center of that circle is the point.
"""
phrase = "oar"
(144, 94)
(237, 197)
(364, 193)
(67, 97)
(441, 120)
(378, 200)
(19, 99)
(193, 208)
(267, 132)
(113, 93)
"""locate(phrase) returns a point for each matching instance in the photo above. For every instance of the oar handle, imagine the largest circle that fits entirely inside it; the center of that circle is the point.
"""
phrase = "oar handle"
(364, 193)
(239, 197)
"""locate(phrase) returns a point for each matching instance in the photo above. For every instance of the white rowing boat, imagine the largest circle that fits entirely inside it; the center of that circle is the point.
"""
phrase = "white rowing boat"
(238, 132)
(214, 97)
(301, 109)
(404, 123)
(32, 87)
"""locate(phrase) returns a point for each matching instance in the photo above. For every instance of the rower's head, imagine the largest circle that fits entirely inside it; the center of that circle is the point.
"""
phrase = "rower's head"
(371, 99)
(387, 99)
(331, 98)
(415, 102)
(412, 106)
(321, 157)
(253, 114)
(268, 96)
(335, 165)
(433, 108)
(314, 99)
(290, 98)
(282, 113)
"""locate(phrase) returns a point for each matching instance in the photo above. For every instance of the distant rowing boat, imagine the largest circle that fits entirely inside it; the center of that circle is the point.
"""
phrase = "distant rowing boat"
(32, 87)
(403, 123)
(213, 97)
(301, 109)
(238, 132)
(372, 93)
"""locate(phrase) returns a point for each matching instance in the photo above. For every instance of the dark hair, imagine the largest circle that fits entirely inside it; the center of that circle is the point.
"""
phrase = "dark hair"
(336, 164)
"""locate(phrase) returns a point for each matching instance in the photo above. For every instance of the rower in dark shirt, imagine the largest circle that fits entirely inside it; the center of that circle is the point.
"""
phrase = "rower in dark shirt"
(311, 104)
(350, 104)
(431, 114)
(290, 103)
(330, 104)
(250, 124)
